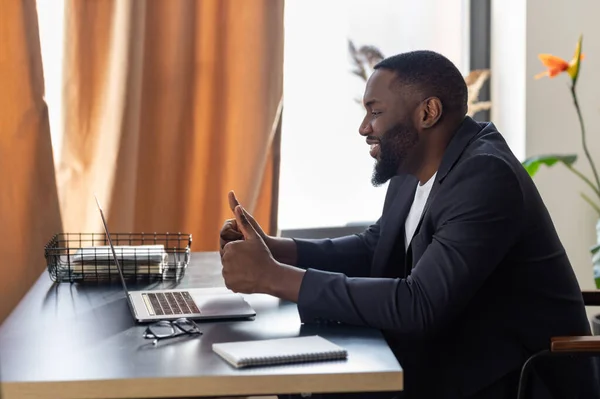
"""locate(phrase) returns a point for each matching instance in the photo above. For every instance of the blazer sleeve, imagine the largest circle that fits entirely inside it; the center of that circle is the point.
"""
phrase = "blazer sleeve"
(478, 214)
(350, 255)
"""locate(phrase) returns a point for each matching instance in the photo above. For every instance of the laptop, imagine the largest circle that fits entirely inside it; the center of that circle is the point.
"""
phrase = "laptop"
(172, 304)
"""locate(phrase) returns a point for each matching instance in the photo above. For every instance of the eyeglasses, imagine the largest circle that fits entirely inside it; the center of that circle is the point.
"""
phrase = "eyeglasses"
(165, 329)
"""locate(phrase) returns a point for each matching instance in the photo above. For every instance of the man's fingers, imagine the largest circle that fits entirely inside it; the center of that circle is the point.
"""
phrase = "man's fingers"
(232, 224)
(230, 228)
(233, 202)
(231, 235)
(244, 224)
(230, 232)
(226, 248)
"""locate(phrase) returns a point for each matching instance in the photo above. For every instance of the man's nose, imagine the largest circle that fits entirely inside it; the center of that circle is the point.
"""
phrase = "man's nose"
(365, 129)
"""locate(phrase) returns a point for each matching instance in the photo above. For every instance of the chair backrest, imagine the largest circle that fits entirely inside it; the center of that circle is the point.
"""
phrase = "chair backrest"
(591, 298)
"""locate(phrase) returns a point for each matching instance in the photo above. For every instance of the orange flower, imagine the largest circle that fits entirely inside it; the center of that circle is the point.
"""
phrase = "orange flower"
(556, 65)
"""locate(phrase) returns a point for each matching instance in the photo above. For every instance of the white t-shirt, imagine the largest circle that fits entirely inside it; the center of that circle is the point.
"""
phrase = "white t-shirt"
(414, 215)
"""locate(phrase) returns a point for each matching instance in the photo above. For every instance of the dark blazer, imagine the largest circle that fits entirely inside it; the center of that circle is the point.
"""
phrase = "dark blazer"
(485, 284)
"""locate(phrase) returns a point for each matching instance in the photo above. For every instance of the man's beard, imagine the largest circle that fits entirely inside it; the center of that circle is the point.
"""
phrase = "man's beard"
(394, 147)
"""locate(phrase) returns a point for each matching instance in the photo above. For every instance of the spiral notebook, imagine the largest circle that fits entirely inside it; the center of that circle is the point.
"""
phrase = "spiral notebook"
(279, 351)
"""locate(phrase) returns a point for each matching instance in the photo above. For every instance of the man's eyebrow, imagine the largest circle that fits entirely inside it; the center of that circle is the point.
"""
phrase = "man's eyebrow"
(371, 102)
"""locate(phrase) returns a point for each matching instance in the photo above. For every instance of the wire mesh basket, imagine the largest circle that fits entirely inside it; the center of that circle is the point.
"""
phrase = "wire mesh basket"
(74, 257)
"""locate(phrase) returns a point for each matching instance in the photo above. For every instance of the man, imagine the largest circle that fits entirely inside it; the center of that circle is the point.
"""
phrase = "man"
(464, 272)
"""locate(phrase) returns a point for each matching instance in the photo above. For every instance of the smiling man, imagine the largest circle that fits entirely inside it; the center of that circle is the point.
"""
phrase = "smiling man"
(463, 273)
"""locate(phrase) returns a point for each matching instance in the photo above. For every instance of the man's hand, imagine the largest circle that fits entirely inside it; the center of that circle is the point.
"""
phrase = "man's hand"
(247, 263)
(282, 249)
(231, 232)
(249, 266)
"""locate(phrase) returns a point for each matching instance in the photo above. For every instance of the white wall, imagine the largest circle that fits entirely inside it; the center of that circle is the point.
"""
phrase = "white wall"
(509, 77)
(325, 167)
(537, 116)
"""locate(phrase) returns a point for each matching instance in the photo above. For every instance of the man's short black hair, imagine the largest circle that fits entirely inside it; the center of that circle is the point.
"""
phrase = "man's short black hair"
(431, 74)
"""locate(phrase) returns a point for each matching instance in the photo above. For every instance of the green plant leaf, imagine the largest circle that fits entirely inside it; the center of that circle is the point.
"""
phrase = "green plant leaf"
(595, 249)
(532, 164)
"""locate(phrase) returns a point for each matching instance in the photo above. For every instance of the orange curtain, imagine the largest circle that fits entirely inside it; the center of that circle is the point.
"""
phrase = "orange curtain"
(29, 212)
(168, 106)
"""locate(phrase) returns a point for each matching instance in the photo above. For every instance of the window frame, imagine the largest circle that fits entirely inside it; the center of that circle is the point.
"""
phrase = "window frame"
(480, 45)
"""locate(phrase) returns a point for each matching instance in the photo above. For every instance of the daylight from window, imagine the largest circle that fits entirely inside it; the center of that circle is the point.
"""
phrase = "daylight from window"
(325, 164)
(50, 20)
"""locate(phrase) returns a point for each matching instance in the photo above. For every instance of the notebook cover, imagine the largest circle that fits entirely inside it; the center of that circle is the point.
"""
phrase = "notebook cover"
(279, 351)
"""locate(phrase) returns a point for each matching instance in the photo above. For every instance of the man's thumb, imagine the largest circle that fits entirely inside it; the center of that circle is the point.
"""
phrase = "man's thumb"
(244, 224)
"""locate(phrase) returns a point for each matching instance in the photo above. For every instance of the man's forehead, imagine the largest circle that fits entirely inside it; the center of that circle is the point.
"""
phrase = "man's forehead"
(379, 86)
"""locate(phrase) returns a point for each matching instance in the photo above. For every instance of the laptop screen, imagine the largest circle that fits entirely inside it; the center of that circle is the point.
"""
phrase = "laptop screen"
(112, 248)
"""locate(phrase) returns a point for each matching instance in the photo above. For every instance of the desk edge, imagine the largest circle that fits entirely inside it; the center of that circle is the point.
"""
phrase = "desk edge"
(206, 386)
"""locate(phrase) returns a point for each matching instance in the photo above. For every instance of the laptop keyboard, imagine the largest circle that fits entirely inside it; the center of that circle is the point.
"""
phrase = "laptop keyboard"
(170, 303)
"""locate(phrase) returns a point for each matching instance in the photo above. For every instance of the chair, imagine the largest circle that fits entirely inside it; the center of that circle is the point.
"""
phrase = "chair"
(565, 346)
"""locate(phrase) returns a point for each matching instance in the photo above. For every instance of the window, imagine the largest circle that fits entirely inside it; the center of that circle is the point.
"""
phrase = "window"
(326, 170)
(51, 26)
(325, 177)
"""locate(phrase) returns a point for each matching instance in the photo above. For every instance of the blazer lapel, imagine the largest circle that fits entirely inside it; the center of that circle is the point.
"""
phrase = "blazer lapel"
(392, 228)
(392, 221)
(464, 135)
(462, 138)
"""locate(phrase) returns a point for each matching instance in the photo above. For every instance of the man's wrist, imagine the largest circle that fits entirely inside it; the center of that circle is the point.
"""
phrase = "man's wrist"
(284, 282)
(283, 249)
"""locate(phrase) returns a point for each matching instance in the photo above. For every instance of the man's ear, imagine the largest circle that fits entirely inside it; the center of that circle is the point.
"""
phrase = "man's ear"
(430, 112)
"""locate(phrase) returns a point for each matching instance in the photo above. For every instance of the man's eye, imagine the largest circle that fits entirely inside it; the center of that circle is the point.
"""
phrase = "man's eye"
(375, 113)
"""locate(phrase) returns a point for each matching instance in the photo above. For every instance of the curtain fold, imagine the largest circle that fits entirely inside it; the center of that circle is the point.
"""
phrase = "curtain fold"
(29, 208)
(168, 105)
